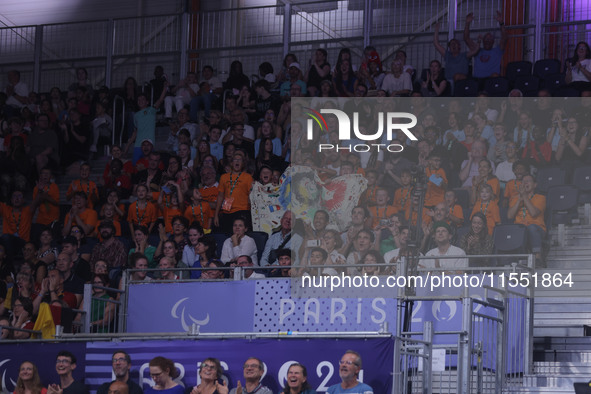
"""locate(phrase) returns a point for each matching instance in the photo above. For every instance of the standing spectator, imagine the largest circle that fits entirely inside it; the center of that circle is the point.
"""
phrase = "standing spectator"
(76, 137)
(456, 62)
(144, 121)
(397, 83)
(234, 190)
(80, 215)
(487, 60)
(578, 67)
(142, 212)
(46, 196)
(344, 79)
(16, 223)
(319, 70)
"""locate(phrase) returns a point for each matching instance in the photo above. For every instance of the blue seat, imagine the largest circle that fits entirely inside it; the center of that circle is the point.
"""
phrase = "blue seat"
(562, 204)
(219, 242)
(528, 84)
(548, 177)
(497, 86)
(260, 239)
(509, 238)
(466, 88)
(518, 69)
(553, 82)
(582, 180)
(544, 67)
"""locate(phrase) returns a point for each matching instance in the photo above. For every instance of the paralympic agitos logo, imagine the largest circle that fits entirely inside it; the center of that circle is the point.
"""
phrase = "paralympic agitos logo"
(390, 121)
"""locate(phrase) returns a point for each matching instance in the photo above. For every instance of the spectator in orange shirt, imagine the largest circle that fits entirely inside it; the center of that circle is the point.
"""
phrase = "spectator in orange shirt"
(368, 198)
(485, 176)
(437, 180)
(142, 212)
(455, 213)
(198, 210)
(381, 212)
(528, 208)
(80, 215)
(520, 169)
(208, 188)
(234, 190)
(402, 195)
(16, 223)
(488, 207)
(85, 185)
(170, 201)
(46, 195)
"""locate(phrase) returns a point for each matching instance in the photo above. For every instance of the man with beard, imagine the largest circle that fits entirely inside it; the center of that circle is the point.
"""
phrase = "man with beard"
(350, 365)
(72, 282)
(110, 249)
(121, 367)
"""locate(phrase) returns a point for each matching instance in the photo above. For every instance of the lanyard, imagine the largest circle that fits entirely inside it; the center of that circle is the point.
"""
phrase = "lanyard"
(233, 183)
(485, 208)
(524, 210)
(200, 212)
(405, 197)
(137, 213)
(18, 224)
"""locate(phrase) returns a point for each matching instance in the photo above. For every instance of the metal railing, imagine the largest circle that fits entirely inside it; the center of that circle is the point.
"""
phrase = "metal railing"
(97, 308)
(113, 49)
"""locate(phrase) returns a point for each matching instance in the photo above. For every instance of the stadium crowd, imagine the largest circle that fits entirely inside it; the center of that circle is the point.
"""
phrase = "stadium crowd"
(187, 204)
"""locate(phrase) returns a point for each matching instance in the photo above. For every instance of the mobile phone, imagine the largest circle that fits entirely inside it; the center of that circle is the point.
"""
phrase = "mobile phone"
(166, 189)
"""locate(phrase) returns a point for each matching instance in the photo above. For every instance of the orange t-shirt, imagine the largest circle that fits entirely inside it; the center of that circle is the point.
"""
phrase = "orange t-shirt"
(426, 218)
(368, 198)
(141, 216)
(491, 211)
(201, 213)
(378, 214)
(524, 217)
(17, 223)
(236, 186)
(209, 194)
(435, 194)
(512, 189)
(48, 213)
(168, 214)
(496, 186)
(88, 188)
(402, 198)
(458, 212)
(89, 217)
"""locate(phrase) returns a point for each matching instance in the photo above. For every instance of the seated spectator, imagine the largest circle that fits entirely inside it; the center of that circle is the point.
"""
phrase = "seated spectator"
(437, 180)
(209, 88)
(537, 151)
(46, 197)
(488, 207)
(169, 249)
(16, 223)
(239, 244)
(483, 130)
(109, 249)
(364, 241)
(407, 68)
(444, 248)
(22, 317)
(572, 143)
(382, 210)
(210, 374)
(398, 83)
(504, 171)
(102, 125)
(163, 371)
(76, 137)
(84, 184)
(198, 210)
(470, 167)
(80, 215)
(236, 77)
(102, 308)
(52, 291)
(294, 78)
(141, 212)
(85, 245)
(182, 123)
(170, 201)
(183, 92)
(139, 262)
(285, 263)
(527, 208)
(80, 266)
(140, 238)
(456, 62)
(121, 362)
(454, 213)
(108, 213)
(151, 176)
(478, 240)
(373, 263)
(435, 85)
(520, 169)
(47, 252)
(280, 239)
(117, 180)
(178, 235)
(175, 173)
(485, 177)
(578, 67)
(318, 71)
(167, 264)
(496, 151)
(344, 79)
(253, 372)
(205, 253)
(128, 168)
(29, 380)
(17, 93)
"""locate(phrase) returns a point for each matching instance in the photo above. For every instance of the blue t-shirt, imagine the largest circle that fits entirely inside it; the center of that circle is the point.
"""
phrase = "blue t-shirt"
(455, 64)
(178, 389)
(361, 388)
(488, 62)
(145, 122)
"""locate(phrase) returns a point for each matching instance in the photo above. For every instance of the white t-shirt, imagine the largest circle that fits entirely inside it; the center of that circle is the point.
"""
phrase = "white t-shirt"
(458, 263)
